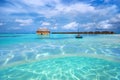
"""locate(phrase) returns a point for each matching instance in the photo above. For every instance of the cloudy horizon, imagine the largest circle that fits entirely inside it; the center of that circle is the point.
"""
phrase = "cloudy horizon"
(25, 16)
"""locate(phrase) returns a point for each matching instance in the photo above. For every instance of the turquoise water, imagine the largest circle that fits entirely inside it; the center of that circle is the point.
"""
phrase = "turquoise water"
(59, 57)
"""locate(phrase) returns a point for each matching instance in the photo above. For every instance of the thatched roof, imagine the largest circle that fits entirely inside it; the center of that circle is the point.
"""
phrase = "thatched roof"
(43, 29)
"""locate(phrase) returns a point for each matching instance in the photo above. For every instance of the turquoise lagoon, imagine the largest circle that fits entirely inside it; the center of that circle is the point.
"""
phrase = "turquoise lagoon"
(59, 57)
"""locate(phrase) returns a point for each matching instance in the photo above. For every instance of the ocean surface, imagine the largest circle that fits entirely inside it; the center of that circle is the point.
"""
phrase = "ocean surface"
(59, 57)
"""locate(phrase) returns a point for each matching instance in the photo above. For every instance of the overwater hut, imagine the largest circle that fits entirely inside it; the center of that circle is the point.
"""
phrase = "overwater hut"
(43, 31)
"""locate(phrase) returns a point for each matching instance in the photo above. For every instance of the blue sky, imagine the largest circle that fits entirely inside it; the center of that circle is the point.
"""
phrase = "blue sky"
(26, 16)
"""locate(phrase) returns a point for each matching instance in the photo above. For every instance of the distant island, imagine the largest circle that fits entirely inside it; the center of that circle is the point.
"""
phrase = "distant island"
(90, 32)
(45, 31)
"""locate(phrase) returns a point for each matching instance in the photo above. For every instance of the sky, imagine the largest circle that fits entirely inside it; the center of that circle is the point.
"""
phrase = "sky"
(26, 16)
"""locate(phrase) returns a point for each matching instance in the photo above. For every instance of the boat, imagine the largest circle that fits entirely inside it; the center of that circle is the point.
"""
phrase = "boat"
(78, 36)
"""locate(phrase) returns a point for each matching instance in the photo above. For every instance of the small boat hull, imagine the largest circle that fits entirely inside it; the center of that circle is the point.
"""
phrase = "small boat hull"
(78, 36)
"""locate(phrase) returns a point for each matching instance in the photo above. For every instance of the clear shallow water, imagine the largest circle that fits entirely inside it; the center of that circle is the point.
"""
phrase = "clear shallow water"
(68, 68)
(42, 52)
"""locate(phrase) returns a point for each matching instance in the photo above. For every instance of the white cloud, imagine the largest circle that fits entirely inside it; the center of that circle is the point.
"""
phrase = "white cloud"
(71, 26)
(111, 23)
(38, 3)
(45, 24)
(115, 19)
(73, 9)
(54, 27)
(16, 28)
(1, 24)
(106, 1)
(100, 25)
(104, 25)
(107, 11)
(24, 22)
(78, 7)
(15, 8)
(56, 8)
(87, 26)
